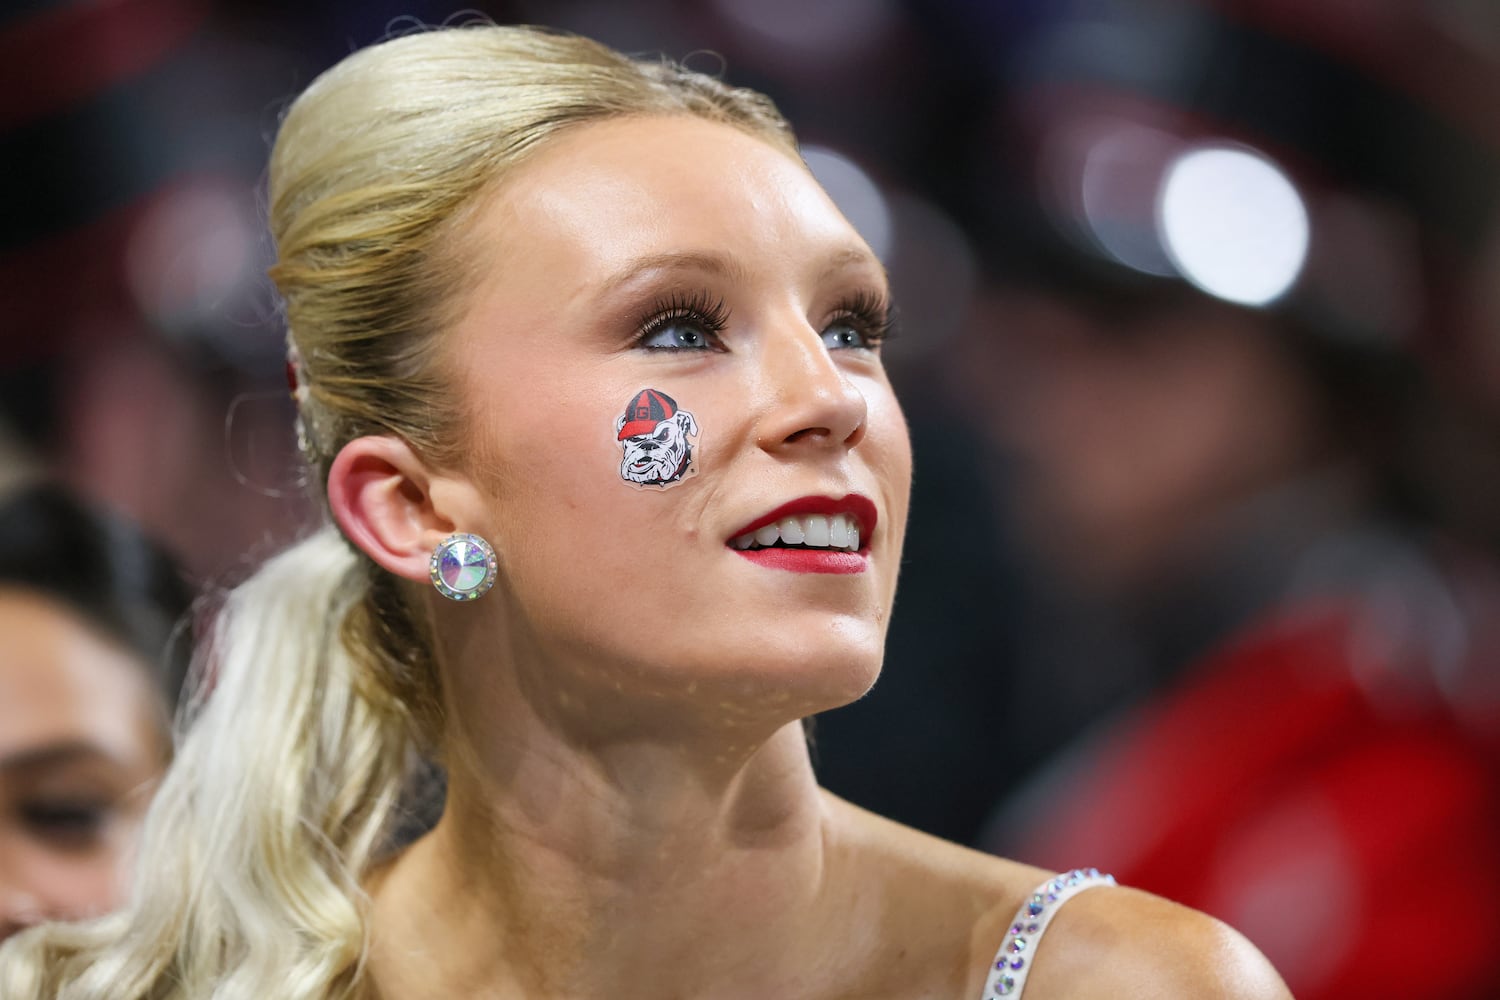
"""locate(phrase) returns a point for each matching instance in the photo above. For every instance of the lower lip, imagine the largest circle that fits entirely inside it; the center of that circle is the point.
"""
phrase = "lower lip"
(807, 560)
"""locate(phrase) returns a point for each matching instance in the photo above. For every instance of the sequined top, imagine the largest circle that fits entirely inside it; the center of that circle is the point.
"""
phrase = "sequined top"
(1007, 976)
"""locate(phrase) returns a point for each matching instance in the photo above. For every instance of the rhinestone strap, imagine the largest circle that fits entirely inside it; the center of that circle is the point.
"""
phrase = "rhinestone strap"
(1013, 961)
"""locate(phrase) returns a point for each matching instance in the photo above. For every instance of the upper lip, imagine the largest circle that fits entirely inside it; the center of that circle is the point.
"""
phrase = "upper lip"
(861, 508)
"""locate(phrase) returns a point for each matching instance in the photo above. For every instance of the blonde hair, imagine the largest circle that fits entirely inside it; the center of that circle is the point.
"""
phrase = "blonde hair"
(317, 690)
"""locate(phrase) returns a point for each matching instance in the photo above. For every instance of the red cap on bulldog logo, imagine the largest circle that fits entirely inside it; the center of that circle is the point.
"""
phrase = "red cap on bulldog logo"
(645, 411)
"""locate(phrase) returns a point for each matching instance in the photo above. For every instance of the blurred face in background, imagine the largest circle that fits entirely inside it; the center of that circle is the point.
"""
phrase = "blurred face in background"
(82, 745)
(1131, 431)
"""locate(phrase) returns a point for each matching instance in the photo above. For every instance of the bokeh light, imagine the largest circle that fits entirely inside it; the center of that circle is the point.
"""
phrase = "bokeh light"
(1234, 224)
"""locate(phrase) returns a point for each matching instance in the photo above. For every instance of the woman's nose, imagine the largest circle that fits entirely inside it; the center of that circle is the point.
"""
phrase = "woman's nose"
(813, 400)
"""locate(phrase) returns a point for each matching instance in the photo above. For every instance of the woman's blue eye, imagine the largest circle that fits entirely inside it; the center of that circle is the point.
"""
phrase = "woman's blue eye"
(677, 335)
(845, 335)
(861, 322)
(684, 323)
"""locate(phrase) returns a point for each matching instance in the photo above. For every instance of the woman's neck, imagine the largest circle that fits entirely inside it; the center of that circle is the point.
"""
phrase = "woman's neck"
(632, 869)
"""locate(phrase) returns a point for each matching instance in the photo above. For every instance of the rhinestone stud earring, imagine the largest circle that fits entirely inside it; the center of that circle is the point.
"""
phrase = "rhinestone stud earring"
(463, 567)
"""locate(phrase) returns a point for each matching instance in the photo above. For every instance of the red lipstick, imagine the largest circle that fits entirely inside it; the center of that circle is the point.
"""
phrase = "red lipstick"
(862, 509)
(857, 508)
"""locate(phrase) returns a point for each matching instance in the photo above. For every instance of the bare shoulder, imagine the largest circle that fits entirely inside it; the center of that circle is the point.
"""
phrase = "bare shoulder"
(1121, 943)
(950, 908)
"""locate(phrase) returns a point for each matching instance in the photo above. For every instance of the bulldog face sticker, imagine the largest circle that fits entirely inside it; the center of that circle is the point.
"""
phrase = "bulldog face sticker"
(658, 441)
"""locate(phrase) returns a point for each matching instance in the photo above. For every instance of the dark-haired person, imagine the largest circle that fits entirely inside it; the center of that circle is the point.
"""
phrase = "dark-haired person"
(88, 606)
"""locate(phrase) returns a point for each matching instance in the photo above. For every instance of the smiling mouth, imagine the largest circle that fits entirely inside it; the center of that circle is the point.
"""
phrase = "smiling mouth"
(830, 532)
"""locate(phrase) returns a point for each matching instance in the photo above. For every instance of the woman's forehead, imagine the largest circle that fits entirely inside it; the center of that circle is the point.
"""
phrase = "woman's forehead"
(609, 194)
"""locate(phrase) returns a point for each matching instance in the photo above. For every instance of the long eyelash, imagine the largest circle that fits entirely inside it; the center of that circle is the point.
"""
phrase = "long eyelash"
(873, 313)
(700, 307)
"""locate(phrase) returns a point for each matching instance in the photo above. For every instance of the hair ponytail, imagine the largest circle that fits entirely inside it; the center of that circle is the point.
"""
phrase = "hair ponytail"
(285, 782)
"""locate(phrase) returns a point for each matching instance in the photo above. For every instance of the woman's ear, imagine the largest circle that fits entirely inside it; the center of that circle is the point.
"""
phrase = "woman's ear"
(380, 493)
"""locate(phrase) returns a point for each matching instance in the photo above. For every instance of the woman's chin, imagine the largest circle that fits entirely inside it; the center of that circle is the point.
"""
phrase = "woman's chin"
(741, 684)
(785, 684)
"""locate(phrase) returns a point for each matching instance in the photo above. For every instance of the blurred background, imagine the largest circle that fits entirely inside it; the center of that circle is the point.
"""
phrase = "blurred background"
(1200, 347)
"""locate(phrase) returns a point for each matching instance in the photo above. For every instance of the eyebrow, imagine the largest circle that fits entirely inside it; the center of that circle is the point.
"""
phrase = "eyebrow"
(711, 263)
(850, 256)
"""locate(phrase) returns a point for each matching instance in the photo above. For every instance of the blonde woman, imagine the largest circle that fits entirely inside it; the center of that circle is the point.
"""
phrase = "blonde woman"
(589, 368)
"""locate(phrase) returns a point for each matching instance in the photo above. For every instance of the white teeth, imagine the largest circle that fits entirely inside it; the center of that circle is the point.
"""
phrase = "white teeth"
(822, 531)
(838, 532)
(817, 532)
